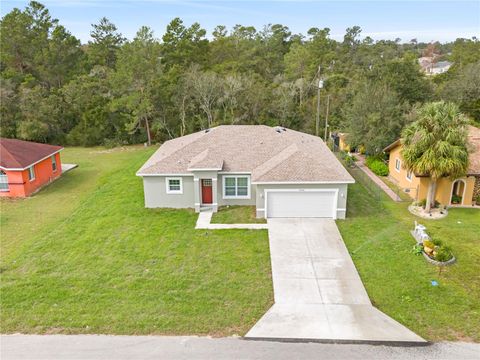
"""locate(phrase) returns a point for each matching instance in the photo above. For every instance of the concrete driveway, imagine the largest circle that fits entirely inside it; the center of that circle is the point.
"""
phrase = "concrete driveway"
(318, 292)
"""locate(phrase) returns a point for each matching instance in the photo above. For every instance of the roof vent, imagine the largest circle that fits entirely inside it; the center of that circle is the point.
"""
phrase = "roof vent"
(207, 131)
(278, 130)
(283, 129)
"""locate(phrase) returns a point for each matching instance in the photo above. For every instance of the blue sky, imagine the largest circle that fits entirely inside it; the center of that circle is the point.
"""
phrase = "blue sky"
(424, 20)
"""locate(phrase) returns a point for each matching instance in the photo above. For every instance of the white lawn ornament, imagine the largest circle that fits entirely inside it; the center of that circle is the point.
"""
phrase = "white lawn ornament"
(420, 232)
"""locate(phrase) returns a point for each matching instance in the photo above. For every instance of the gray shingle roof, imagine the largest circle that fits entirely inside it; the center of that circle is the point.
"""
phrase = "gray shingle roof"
(270, 154)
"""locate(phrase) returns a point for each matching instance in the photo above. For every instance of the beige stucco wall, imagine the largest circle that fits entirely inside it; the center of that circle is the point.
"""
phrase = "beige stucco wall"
(400, 176)
(444, 190)
(419, 185)
(342, 144)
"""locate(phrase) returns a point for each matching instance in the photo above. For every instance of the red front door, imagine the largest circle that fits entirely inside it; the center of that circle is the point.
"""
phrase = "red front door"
(207, 191)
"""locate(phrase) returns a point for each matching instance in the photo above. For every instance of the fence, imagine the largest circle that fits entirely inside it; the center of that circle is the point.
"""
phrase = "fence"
(373, 188)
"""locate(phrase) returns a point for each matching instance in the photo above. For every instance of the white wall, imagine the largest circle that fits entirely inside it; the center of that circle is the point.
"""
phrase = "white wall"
(341, 201)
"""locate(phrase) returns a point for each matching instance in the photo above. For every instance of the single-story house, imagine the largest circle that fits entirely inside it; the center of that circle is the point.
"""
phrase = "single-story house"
(462, 191)
(284, 173)
(26, 166)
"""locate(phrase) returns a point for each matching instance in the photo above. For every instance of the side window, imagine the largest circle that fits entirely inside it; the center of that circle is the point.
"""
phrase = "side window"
(54, 163)
(31, 173)
(397, 164)
(174, 186)
(3, 181)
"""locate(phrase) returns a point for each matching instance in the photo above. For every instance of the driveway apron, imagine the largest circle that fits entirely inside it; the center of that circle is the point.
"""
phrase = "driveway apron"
(318, 292)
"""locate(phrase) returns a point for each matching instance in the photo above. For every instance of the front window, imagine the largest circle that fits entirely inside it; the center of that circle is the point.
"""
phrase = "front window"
(236, 187)
(397, 164)
(31, 173)
(54, 163)
(174, 186)
(409, 175)
(3, 181)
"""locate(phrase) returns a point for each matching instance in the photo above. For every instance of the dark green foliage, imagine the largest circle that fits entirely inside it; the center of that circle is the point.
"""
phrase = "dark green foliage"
(116, 91)
(377, 166)
(443, 253)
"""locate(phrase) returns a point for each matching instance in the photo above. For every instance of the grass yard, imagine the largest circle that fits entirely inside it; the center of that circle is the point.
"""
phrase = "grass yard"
(85, 256)
(376, 233)
(236, 215)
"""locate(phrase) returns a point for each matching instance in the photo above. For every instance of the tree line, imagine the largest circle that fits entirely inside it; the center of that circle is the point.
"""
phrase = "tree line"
(113, 91)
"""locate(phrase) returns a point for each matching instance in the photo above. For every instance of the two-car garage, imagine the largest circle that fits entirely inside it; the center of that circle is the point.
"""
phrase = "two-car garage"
(288, 203)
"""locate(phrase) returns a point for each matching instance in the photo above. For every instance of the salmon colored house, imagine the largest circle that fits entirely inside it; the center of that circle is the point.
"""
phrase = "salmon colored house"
(26, 166)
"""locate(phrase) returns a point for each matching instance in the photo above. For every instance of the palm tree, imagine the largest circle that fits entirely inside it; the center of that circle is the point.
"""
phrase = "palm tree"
(436, 145)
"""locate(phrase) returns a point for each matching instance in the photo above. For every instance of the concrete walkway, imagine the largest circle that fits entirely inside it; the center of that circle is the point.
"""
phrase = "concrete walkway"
(96, 347)
(361, 165)
(205, 217)
(318, 292)
(68, 167)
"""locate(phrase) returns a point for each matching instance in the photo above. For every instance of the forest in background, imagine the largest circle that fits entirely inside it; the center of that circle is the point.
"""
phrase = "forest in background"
(112, 91)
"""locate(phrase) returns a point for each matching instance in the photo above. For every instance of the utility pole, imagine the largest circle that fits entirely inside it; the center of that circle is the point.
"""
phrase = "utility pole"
(326, 119)
(319, 87)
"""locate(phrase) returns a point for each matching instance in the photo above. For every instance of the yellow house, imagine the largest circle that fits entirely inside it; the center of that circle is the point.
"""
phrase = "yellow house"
(462, 191)
(342, 143)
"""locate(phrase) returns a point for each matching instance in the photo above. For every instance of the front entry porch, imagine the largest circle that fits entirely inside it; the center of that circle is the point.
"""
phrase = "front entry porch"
(205, 191)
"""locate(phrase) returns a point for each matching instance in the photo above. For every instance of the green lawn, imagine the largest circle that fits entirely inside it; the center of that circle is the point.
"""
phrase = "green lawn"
(85, 256)
(236, 215)
(376, 233)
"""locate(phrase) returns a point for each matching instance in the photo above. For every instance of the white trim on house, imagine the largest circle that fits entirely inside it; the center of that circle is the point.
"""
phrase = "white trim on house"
(54, 161)
(4, 181)
(399, 163)
(167, 185)
(300, 182)
(142, 175)
(409, 178)
(224, 196)
(35, 163)
(31, 173)
(335, 202)
(235, 172)
(451, 190)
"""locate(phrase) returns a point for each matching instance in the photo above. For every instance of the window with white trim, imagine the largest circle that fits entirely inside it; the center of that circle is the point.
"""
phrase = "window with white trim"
(54, 163)
(397, 164)
(3, 181)
(174, 186)
(409, 175)
(236, 187)
(31, 173)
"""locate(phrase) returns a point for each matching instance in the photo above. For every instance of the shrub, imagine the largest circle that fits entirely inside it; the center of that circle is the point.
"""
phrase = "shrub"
(443, 253)
(377, 166)
(456, 199)
(417, 249)
(349, 161)
(423, 203)
(436, 242)
(429, 244)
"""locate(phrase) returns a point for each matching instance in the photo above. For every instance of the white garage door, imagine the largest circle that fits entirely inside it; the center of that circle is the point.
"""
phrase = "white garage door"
(297, 203)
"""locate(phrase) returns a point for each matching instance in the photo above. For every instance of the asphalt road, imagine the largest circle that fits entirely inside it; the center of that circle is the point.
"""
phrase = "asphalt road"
(95, 347)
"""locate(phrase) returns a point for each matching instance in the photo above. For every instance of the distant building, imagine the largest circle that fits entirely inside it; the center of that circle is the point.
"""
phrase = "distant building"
(27, 166)
(430, 66)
